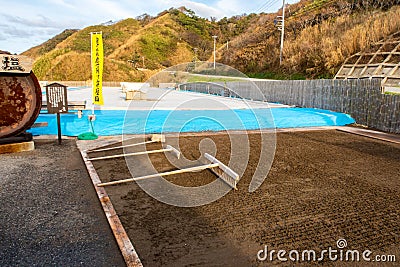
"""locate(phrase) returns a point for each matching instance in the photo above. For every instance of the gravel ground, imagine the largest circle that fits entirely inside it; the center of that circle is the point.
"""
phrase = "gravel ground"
(50, 214)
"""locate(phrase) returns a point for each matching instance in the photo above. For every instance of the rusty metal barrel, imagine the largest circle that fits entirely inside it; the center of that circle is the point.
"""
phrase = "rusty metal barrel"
(20, 95)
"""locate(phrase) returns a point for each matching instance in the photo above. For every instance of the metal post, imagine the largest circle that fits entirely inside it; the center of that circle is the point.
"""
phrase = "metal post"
(215, 41)
(59, 128)
(282, 32)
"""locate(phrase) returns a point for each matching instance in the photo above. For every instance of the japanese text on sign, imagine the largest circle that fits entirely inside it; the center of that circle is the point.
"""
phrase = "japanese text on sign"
(97, 68)
(10, 63)
(57, 99)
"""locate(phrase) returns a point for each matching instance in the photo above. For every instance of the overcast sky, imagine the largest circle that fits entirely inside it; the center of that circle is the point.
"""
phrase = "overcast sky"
(27, 23)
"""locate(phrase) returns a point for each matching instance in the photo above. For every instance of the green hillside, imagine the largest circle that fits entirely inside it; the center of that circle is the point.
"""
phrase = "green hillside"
(134, 49)
(320, 34)
(49, 45)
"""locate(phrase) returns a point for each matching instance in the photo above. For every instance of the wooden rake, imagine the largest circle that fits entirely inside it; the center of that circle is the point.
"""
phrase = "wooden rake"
(168, 148)
(155, 138)
(217, 167)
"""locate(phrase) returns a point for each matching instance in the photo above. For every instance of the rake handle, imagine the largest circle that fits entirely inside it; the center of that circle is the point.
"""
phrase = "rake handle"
(117, 147)
(192, 169)
(132, 154)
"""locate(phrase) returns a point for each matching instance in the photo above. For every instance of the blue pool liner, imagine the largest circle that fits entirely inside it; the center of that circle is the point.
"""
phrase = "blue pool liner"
(117, 122)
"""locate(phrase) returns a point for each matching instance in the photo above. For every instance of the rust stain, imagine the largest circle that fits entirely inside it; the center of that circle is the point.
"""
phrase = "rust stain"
(20, 103)
(13, 105)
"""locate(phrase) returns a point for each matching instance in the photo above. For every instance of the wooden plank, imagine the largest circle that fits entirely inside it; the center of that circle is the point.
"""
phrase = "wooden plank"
(381, 53)
(130, 154)
(40, 124)
(125, 245)
(167, 149)
(17, 147)
(124, 146)
(371, 134)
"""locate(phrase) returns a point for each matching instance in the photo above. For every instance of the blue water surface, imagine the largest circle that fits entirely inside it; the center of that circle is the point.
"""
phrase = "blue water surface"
(117, 122)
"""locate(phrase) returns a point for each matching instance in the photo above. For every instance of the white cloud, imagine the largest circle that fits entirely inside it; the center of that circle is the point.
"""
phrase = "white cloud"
(232, 6)
(102, 9)
(61, 3)
(37, 20)
(201, 9)
(12, 31)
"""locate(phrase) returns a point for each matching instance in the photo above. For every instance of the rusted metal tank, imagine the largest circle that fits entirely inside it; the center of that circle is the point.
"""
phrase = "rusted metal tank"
(20, 95)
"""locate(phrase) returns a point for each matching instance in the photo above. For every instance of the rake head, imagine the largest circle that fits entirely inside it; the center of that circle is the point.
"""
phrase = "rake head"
(225, 173)
(158, 138)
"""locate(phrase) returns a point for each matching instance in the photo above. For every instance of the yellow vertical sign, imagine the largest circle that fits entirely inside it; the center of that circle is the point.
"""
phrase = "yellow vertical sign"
(97, 68)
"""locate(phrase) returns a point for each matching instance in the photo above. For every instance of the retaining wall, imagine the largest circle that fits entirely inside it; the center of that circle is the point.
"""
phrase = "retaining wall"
(362, 99)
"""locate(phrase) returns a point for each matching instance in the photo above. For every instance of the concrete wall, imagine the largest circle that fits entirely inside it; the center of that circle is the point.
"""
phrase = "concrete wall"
(362, 99)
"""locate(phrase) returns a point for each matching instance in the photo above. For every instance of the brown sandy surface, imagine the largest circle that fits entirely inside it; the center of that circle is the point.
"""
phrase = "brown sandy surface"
(50, 214)
(323, 186)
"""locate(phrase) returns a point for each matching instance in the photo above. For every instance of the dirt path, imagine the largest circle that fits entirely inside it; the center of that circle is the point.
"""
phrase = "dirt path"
(323, 186)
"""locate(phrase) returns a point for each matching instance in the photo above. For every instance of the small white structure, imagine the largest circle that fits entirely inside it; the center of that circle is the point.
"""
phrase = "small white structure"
(135, 91)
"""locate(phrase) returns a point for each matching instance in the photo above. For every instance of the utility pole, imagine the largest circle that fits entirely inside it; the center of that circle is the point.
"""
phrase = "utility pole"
(282, 32)
(215, 43)
(195, 56)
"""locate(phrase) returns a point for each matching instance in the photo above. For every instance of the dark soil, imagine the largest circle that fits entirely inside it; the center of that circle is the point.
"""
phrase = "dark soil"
(50, 214)
(323, 186)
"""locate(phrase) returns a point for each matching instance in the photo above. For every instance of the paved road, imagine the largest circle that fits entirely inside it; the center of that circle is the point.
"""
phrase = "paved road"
(50, 214)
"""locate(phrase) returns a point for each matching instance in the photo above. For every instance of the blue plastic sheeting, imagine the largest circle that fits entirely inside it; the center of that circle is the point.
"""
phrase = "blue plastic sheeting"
(111, 122)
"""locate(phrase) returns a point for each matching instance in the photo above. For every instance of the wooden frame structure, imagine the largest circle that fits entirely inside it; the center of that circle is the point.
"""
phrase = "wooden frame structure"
(382, 60)
(124, 243)
(168, 148)
(217, 167)
(155, 138)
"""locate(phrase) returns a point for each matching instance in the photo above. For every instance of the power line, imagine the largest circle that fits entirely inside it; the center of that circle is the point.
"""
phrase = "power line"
(266, 6)
(262, 6)
(270, 6)
(307, 8)
(281, 23)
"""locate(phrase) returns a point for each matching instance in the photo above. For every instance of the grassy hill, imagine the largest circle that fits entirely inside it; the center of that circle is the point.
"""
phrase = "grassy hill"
(320, 34)
(70, 57)
(134, 49)
(49, 45)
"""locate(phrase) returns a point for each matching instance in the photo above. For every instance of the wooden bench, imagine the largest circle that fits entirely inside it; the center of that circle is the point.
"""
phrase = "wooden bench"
(40, 124)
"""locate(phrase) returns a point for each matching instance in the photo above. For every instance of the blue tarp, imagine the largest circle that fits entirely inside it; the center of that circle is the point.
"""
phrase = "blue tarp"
(117, 122)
